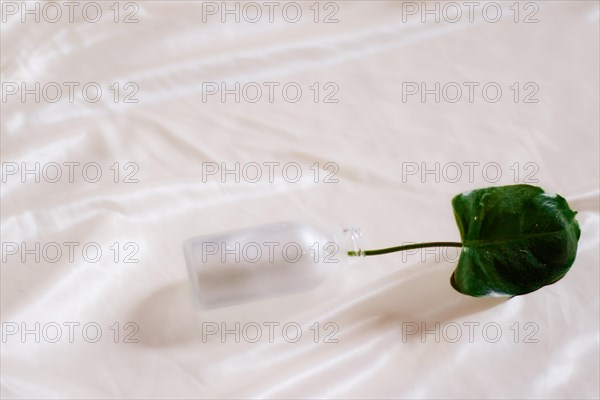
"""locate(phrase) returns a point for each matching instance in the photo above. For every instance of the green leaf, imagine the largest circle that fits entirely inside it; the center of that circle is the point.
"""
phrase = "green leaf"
(516, 239)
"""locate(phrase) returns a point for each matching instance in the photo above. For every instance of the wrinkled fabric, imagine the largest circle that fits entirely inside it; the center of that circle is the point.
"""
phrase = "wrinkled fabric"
(379, 327)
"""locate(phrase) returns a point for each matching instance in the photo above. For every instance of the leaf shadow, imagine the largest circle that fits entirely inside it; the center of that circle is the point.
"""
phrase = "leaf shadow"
(421, 296)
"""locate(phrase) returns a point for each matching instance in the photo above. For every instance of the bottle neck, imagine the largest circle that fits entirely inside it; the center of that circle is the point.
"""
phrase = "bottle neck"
(352, 242)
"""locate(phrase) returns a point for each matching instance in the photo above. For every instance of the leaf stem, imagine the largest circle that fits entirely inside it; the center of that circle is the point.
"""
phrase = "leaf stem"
(402, 248)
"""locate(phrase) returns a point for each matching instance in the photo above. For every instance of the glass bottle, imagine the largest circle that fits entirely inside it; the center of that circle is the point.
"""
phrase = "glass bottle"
(264, 262)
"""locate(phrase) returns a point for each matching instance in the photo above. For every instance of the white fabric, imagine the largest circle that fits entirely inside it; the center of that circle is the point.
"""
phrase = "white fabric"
(370, 133)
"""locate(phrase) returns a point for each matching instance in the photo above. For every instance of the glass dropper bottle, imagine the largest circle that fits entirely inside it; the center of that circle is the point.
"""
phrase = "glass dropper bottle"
(270, 260)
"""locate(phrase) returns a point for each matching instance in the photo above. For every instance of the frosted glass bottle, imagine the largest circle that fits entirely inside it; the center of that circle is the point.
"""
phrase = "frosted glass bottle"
(263, 262)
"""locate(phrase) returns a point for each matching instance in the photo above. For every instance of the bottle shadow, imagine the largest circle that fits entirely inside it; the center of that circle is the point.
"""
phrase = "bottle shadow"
(420, 295)
(166, 317)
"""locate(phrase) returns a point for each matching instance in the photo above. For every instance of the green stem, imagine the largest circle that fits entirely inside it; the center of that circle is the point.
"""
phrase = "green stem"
(402, 248)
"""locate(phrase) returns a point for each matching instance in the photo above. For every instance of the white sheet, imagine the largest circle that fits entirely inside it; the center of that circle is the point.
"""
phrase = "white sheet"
(549, 340)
